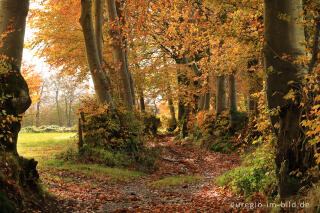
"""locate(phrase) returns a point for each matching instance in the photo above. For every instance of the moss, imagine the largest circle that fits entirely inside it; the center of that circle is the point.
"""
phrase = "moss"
(6, 205)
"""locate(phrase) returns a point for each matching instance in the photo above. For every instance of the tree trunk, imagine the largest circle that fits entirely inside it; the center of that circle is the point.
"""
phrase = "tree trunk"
(232, 101)
(201, 102)
(38, 106)
(98, 75)
(282, 37)
(255, 85)
(173, 120)
(232, 93)
(66, 110)
(207, 98)
(221, 101)
(118, 52)
(121, 10)
(58, 108)
(98, 22)
(142, 105)
(69, 114)
(13, 15)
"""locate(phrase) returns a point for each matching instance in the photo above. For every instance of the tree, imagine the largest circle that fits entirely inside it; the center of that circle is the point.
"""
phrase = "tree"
(221, 99)
(15, 99)
(283, 47)
(119, 51)
(57, 83)
(38, 105)
(95, 64)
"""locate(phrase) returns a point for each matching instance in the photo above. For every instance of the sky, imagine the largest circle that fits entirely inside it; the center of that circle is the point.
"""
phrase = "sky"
(28, 55)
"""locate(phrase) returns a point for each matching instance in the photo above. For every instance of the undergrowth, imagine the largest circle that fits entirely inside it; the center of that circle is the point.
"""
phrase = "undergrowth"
(255, 175)
(215, 133)
(116, 137)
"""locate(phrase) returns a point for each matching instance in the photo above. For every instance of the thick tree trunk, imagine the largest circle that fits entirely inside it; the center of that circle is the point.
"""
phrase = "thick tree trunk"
(121, 12)
(98, 22)
(284, 37)
(173, 120)
(233, 108)
(201, 102)
(98, 75)
(232, 93)
(221, 100)
(118, 51)
(13, 15)
(207, 98)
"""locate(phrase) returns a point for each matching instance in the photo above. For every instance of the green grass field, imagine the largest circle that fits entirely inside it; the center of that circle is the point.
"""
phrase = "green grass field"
(44, 148)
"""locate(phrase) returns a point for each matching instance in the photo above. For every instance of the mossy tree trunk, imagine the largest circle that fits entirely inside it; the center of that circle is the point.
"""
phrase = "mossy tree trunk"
(14, 98)
(14, 101)
(284, 37)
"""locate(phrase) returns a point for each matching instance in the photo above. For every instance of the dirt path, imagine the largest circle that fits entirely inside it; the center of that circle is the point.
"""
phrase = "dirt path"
(87, 194)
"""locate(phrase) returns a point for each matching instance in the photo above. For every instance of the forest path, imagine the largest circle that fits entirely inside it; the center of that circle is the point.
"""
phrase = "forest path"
(183, 183)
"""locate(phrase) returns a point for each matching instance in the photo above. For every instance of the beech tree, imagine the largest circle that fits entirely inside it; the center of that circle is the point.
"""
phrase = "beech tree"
(119, 53)
(221, 99)
(15, 98)
(283, 47)
(93, 54)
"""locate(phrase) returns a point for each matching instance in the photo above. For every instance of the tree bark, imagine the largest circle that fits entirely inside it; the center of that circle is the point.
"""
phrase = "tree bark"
(221, 100)
(38, 106)
(232, 93)
(173, 120)
(142, 105)
(233, 108)
(99, 5)
(16, 98)
(69, 114)
(118, 51)
(207, 98)
(284, 37)
(58, 108)
(315, 48)
(95, 65)
(255, 85)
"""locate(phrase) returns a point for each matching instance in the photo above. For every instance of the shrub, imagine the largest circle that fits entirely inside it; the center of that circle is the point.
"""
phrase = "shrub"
(256, 174)
(115, 138)
(214, 132)
(150, 123)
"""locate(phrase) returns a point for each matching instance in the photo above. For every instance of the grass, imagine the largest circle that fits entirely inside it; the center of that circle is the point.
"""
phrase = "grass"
(174, 181)
(45, 147)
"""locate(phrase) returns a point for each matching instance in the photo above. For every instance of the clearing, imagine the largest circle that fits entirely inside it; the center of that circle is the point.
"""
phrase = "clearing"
(183, 183)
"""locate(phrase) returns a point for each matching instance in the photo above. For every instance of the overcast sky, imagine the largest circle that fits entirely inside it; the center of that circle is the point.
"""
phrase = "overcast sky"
(28, 55)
